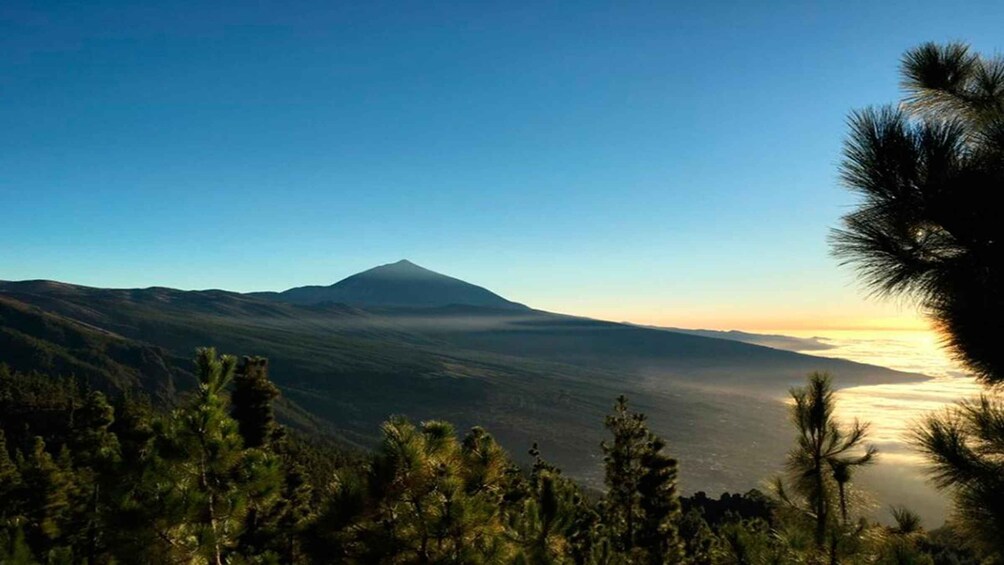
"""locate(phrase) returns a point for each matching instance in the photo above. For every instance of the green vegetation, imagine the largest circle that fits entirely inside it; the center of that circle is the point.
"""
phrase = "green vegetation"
(215, 479)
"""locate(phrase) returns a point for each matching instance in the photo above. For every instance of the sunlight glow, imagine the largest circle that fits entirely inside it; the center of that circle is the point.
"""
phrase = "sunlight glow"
(894, 410)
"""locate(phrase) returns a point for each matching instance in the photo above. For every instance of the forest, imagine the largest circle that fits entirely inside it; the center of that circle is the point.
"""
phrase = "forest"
(217, 480)
(210, 476)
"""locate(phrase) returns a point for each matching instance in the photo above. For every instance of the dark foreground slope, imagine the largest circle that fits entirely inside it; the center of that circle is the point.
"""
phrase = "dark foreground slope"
(525, 375)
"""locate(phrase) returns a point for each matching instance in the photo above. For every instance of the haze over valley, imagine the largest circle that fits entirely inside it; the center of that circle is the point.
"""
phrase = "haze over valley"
(401, 339)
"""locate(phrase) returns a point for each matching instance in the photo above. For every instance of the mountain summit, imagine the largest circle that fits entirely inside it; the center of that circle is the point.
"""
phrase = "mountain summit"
(401, 284)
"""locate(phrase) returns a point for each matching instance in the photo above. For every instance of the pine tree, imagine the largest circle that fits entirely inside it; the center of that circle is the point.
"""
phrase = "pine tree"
(819, 466)
(699, 540)
(208, 453)
(46, 491)
(13, 545)
(928, 228)
(133, 427)
(14, 548)
(623, 472)
(658, 533)
(10, 480)
(96, 455)
(928, 171)
(425, 498)
(294, 512)
(548, 515)
(137, 484)
(93, 444)
(252, 408)
(965, 449)
(641, 508)
(204, 475)
(252, 402)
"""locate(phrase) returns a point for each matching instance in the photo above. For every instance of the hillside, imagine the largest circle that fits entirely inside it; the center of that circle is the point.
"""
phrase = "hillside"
(800, 344)
(526, 375)
(34, 340)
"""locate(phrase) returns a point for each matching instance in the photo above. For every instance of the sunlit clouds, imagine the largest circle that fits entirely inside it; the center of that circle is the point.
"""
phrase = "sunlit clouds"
(895, 409)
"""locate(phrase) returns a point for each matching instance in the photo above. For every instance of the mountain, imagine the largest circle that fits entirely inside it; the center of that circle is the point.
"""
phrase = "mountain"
(776, 341)
(526, 375)
(401, 284)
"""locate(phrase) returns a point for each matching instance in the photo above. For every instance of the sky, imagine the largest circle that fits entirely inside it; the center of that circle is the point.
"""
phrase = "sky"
(659, 162)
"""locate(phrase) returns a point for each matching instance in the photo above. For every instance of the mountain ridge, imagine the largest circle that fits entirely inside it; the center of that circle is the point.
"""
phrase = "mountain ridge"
(776, 341)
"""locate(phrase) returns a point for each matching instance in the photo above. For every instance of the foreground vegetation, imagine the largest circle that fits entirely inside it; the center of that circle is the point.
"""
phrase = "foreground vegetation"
(88, 479)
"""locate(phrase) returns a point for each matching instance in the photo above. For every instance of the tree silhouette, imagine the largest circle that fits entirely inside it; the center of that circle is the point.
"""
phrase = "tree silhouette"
(548, 516)
(929, 228)
(252, 400)
(642, 508)
(930, 174)
(966, 454)
(819, 466)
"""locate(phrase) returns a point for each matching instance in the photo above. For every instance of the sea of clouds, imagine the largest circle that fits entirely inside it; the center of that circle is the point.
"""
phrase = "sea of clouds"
(895, 410)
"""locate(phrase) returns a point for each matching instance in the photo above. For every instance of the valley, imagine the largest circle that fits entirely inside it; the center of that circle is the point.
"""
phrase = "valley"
(438, 353)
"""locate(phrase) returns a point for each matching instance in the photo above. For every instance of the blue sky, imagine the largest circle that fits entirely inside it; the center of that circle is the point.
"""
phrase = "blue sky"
(653, 161)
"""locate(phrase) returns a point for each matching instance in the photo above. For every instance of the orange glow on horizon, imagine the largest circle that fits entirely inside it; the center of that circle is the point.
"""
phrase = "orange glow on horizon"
(894, 324)
(693, 320)
(797, 313)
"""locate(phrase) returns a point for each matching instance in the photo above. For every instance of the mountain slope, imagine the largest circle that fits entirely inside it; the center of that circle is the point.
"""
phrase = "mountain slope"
(526, 375)
(401, 284)
(635, 352)
(349, 370)
(34, 340)
(790, 343)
